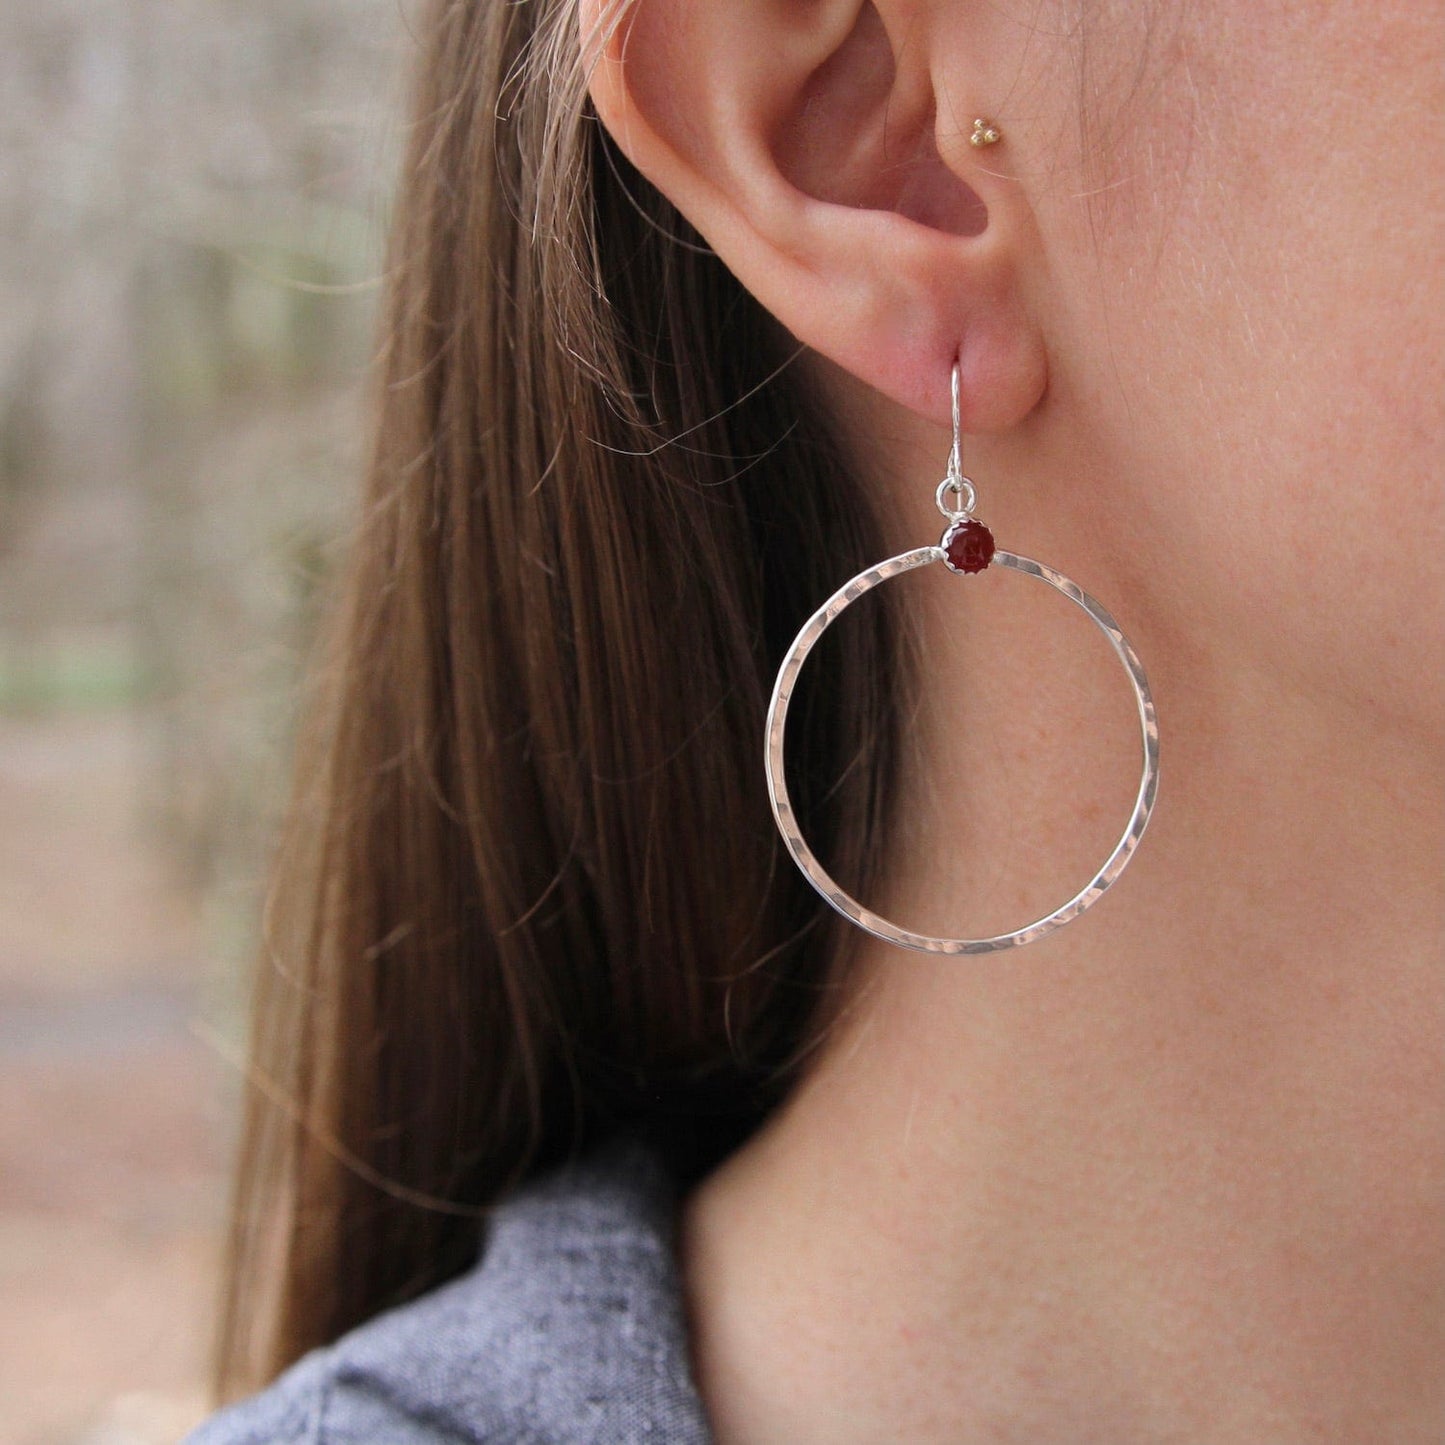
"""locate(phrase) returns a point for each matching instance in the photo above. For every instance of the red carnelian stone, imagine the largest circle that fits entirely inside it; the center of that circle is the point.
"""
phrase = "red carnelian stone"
(969, 546)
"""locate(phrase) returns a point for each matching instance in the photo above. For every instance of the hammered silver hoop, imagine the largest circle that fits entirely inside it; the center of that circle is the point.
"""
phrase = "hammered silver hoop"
(787, 821)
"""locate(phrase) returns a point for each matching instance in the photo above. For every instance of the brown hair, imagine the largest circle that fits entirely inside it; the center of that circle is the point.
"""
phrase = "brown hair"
(531, 892)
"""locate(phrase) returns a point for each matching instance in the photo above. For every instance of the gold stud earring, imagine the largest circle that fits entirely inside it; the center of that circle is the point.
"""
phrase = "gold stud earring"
(985, 133)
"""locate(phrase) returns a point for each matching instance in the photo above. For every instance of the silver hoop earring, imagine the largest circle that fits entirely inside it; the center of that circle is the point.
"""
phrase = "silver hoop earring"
(967, 546)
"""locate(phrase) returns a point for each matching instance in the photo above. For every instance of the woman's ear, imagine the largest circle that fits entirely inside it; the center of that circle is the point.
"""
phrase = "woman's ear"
(807, 143)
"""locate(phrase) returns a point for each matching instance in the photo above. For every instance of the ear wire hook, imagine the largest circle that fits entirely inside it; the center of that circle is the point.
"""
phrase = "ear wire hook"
(955, 481)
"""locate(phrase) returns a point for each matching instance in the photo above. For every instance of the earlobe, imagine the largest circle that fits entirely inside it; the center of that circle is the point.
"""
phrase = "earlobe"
(802, 143)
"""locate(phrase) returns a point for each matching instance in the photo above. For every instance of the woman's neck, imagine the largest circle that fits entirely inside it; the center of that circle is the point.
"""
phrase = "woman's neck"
(1175, 1172)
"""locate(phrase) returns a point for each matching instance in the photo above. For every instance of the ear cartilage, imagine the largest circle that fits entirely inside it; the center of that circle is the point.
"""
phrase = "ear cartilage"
(985, 133)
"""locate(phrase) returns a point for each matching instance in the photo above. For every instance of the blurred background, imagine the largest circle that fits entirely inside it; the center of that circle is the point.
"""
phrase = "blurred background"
(192, 205)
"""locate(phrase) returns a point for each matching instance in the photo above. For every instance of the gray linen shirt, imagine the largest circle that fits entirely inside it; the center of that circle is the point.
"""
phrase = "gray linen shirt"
(570, 1329)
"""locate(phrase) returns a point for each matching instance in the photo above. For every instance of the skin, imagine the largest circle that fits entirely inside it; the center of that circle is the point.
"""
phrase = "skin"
(1175, 1172)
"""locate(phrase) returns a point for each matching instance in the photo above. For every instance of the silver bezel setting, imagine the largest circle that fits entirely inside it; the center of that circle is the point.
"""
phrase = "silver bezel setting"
(949, 532)
(786, 819)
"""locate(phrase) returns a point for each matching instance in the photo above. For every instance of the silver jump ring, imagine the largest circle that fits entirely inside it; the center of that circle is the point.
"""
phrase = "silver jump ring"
(964, 489)
(787, 820)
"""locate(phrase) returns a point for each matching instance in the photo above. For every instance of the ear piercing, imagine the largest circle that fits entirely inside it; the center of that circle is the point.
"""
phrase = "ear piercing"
(985, 133)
